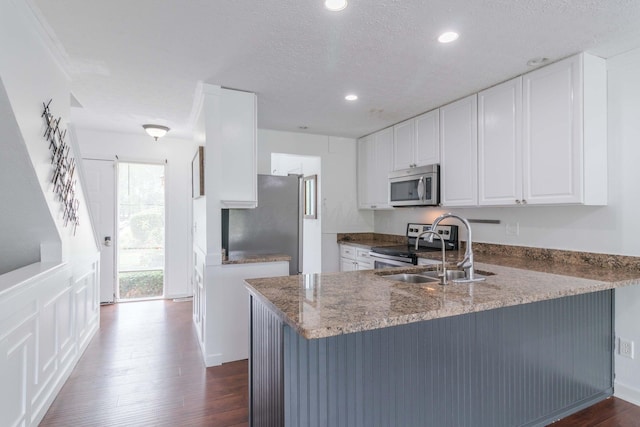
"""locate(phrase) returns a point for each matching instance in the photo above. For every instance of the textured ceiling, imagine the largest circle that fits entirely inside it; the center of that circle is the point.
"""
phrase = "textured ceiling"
(140, 61)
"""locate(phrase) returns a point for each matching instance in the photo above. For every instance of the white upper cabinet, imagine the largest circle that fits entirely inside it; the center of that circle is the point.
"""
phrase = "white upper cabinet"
(459, 152)
(565, 133)
(416, 142)
(238, 149)
(427, 146)
(404, 137)
(500, 144)
(375, 161)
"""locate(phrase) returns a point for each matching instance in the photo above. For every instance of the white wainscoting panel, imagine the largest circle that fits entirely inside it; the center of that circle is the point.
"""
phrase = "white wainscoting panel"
(47, 319)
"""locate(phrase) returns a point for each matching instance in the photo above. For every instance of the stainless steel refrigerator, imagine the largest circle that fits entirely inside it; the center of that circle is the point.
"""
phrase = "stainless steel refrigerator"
(275, 226)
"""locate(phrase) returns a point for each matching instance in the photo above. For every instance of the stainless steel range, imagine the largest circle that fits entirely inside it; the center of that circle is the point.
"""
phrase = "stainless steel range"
(406, 255)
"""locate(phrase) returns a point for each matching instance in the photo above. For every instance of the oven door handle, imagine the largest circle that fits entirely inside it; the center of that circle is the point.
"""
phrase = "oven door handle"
(384, 257)
(421, 189)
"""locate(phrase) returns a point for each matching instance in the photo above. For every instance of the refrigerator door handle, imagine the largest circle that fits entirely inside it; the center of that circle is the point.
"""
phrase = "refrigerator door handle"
(300, 222)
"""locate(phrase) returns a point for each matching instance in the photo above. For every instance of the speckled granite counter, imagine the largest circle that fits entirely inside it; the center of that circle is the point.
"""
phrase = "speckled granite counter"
(242, 257)
(325, 305)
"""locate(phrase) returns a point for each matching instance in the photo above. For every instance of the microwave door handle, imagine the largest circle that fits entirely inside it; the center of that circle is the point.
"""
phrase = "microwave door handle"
(421, 188)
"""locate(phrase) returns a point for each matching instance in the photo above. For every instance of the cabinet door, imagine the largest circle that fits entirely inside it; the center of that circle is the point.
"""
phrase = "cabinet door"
(552, 138)
(500, 144)
(375, 161)
(427, 144)
(347, 265)
(365, 150)
(361, 265)
(382, 165)
(459, 151)
(238, 150)
(403, 142)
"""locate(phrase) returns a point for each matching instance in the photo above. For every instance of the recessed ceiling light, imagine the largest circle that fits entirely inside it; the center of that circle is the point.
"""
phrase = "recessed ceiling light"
(448, 37)
(335, 5)
(351, 97)
(537, 61)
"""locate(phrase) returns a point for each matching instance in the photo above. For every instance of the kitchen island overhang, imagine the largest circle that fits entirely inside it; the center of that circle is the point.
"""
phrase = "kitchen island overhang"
(539, 352)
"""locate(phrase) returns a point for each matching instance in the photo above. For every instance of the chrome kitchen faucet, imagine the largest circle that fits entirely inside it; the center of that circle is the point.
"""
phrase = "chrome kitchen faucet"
(467, 261)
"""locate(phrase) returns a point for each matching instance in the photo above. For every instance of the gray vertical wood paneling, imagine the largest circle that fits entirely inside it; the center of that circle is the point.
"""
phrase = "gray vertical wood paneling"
(522, 365)
(267, 358)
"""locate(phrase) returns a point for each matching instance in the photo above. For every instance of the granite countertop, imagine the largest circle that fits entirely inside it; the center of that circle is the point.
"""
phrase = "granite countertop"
(366, 244)
(329, 304)
(244, 257)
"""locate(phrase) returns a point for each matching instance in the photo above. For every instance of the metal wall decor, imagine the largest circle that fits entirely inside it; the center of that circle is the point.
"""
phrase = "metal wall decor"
(63, 167)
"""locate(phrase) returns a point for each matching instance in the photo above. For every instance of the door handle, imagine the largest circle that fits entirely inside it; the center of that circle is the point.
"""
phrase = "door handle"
(421, 189)
(107, 240)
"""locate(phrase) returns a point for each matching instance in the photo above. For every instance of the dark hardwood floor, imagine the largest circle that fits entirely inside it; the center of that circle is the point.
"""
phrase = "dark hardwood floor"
(144, 368)
(611, 412)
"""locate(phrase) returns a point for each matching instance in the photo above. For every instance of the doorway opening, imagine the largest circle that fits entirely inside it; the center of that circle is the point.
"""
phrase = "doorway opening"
(141, 231)
(309, 167)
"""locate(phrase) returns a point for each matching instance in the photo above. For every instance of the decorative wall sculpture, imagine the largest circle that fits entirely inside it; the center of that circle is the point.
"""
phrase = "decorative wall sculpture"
(63, 167)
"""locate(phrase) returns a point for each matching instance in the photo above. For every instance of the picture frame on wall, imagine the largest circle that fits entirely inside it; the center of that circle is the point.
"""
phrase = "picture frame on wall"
(197, 174)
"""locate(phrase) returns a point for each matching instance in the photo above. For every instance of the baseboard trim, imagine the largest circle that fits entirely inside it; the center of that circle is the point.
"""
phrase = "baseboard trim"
(213, 360)
(631, 395)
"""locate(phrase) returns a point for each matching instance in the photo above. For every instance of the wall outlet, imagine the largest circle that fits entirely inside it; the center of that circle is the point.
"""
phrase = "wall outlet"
(513, 229)
(625, 348)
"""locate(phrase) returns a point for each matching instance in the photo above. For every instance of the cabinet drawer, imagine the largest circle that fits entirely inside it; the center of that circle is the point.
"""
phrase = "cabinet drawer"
(362, 255)
(348, 252)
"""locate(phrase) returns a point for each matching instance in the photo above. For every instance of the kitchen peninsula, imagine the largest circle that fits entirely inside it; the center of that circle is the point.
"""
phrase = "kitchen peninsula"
(527, 346)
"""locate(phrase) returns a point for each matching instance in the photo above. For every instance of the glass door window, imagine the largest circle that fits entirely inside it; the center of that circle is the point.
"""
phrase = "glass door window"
(141, 231)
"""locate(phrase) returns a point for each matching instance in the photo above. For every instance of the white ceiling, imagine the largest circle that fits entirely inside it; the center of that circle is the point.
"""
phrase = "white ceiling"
(135, 62)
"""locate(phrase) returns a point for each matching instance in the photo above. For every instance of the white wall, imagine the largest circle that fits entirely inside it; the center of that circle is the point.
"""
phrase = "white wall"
(26, 220)
(178, 153)
(46, 318)
(285, 164)
(32, 76)
(614, 228)
(338, 204)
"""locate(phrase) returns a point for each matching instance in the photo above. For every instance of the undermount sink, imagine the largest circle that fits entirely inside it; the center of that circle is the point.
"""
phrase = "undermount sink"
(431, 276)
(451, 274)
(411, 278)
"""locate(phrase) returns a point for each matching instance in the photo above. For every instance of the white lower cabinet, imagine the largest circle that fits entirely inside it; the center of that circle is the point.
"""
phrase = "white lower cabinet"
(353, 258)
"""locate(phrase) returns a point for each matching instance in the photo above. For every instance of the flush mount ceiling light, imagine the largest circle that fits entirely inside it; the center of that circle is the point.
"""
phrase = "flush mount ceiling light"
(335, 5)
(448, 37)
(156, 131)
(351, 97)
(537, 61)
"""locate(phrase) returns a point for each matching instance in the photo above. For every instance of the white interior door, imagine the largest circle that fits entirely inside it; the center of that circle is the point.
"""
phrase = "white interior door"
(100, 177)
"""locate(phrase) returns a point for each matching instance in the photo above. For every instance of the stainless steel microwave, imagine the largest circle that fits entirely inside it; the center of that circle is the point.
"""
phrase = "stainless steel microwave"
(415, 187)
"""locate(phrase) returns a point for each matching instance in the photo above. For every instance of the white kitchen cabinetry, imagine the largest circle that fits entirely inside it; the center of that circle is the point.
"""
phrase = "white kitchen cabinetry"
(238, 149)
(404, 137)
(416, 142)
(352, 258)
(565, 132)
(459, 152)
(500, 144)
(375, 161)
